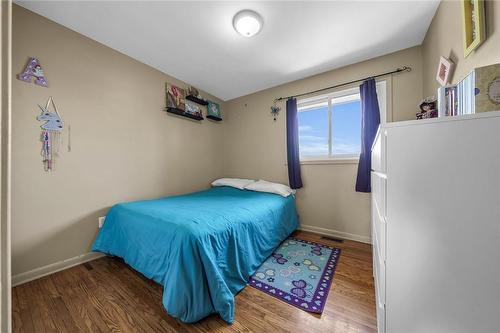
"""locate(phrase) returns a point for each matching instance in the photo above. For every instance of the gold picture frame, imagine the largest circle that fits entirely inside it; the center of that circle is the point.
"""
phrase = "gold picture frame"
(474, 27)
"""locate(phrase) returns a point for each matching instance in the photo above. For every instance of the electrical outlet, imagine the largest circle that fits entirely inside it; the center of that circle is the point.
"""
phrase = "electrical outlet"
(101, 221)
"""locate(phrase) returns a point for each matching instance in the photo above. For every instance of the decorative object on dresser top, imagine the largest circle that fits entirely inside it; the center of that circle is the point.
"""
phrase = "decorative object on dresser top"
(478, 92)
(299, 273)
(428, 108)
(474, 30)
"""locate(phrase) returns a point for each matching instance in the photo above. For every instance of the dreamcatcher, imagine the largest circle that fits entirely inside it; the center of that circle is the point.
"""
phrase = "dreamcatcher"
(51, 136)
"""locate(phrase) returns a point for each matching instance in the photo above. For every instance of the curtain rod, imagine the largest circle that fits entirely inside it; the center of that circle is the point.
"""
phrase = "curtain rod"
(397, 70)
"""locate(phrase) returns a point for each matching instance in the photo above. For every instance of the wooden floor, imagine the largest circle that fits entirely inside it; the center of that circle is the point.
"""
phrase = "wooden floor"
(106, 295)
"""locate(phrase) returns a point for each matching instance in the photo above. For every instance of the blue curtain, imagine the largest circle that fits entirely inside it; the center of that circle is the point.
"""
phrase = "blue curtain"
(370, 120)
(292, 144)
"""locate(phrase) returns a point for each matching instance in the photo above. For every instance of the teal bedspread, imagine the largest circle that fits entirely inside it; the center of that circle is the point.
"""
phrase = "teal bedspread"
(202, 247)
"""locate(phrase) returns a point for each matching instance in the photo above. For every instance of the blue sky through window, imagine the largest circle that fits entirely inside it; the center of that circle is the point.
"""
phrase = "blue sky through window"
(346, 130)
(313, 132)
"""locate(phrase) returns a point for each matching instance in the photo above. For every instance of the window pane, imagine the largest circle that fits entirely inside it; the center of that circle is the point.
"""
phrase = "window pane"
(313, 132)
(346, 128)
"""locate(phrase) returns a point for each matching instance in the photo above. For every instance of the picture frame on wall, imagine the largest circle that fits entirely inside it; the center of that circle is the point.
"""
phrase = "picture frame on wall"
(445, 71)
(175, 97)
(474, 30)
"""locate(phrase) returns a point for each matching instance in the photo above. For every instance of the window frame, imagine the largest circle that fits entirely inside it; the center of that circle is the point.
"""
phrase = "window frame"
(307, 102)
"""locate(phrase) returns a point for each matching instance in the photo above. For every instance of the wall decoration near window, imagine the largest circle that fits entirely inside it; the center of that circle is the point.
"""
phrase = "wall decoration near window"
(473, 24)
(445, 71)
(275, 110)
(213, 111)
(33, 70)
(51, 134)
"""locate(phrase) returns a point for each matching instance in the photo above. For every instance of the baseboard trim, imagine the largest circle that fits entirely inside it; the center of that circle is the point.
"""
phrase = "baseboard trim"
(53, 268)
(335, 233)
(37, 273)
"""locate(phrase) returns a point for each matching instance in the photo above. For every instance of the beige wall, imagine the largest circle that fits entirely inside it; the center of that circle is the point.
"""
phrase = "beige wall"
(124, 147)
(254, 145)
(445, 38)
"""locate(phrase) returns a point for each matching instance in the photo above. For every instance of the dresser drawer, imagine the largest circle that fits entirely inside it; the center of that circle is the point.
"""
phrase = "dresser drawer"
(380, 318)
(379, 151)
(379, 189)
(379, 278)
(378, 231)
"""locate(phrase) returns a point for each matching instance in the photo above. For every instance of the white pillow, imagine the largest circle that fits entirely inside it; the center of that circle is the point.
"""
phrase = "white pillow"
(233, 182)
(265, 186)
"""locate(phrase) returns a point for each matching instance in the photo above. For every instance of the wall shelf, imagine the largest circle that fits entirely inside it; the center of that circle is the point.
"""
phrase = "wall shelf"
(196, 100)
(182, 113)
(214, 118)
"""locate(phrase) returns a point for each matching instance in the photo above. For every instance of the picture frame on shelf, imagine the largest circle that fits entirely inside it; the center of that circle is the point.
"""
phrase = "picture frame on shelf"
(175, 97)
(474, 30)
(192, 91)
(193, 109)
(213, 111)
(445, 71)
(193, 95)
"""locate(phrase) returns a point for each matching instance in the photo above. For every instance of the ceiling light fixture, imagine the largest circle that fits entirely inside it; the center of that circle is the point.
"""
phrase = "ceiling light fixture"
(247, 23)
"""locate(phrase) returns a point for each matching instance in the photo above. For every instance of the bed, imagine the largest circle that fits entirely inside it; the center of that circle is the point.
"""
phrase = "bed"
(202, 247)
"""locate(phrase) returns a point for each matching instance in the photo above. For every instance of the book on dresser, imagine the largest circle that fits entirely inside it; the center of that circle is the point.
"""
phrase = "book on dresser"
(436, 263)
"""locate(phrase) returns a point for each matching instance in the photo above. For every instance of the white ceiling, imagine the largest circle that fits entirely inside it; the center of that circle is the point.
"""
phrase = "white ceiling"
(195, 41)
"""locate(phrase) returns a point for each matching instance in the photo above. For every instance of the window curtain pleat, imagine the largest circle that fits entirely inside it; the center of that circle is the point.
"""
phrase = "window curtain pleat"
(370, 120)
(292, 144)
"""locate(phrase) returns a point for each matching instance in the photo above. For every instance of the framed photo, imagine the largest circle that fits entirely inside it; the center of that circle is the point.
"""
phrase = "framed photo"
(176, 97)
(192, 91)
(487, 88)
(213, 111)
(193, 109)
(474, 27)
(444, 72)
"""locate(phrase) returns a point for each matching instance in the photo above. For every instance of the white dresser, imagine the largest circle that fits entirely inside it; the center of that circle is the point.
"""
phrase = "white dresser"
(436, 225)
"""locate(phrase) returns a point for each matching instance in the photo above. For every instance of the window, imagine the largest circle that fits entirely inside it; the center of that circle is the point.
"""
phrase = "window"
(330, 125)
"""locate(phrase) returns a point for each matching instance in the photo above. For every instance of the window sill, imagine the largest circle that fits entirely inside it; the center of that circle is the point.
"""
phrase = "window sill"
(354, 160)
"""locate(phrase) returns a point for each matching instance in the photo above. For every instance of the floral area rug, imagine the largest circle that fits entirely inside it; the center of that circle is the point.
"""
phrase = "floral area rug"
(299, 273)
